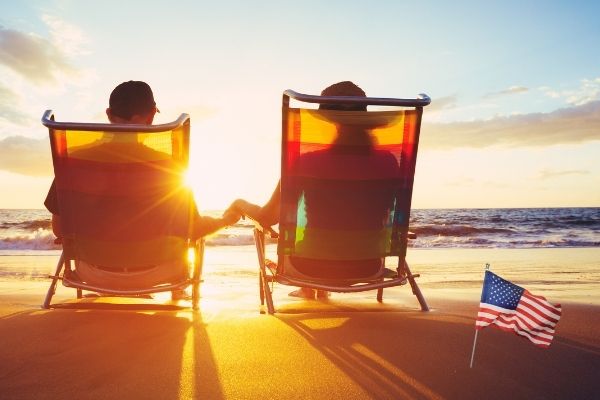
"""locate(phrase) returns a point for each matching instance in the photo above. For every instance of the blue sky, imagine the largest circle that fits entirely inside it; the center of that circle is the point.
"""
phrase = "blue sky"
(515, 118)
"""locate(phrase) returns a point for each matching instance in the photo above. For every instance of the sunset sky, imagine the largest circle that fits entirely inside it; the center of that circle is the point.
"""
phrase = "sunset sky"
(514, 122)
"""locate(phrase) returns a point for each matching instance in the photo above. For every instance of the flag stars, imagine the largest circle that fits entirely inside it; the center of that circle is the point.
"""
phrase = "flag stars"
(503, 293)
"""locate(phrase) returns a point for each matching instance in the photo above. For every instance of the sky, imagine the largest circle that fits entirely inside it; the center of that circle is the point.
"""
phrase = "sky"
(515, 87)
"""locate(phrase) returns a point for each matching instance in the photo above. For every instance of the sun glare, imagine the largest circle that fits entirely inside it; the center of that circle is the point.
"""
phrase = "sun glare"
(191, 256)
(187, 178)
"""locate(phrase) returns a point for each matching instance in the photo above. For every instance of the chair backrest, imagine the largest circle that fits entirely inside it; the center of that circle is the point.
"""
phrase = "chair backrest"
(120, 191)
(347, 178)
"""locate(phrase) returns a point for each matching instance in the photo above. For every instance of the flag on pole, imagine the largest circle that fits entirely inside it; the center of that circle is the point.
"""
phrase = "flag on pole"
(513, 309)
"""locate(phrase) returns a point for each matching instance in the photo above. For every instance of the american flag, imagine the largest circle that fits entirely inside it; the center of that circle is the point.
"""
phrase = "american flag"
(513, 309)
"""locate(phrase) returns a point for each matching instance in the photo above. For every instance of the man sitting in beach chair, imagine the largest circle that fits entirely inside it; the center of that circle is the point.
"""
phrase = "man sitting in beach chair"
(118, 199)
(344, 199)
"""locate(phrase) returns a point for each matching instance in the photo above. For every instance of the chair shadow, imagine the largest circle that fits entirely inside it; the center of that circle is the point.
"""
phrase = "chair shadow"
(117, 307)
(105, 350)
(410, 354)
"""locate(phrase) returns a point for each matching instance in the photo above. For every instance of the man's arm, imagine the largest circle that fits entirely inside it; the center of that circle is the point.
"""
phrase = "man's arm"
(56, 225)
(51, 203)
(207, 225)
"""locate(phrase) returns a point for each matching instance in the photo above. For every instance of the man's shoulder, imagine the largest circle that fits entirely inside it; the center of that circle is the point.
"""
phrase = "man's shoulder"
(107, 151)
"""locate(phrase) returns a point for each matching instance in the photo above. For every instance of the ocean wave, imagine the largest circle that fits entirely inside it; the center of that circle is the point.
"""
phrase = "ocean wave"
(229, 240)
(558, 242)
(233, 240)
(457, 230)
(32, 225)
(41, 239)
(30, 230)
(44, 240)
(465, 243)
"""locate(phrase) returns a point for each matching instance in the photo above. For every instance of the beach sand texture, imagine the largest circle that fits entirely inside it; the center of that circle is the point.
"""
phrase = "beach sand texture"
(349, 347)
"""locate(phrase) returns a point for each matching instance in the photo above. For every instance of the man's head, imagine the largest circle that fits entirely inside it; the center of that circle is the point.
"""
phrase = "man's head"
(345, 88)
(132, 102)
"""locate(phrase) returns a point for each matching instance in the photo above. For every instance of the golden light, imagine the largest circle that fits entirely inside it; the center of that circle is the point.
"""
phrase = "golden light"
(191, 255)
(187, 379)
(187, 178)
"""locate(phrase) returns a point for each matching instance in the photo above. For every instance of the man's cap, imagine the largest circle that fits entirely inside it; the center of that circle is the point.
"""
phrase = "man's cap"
(131, 98)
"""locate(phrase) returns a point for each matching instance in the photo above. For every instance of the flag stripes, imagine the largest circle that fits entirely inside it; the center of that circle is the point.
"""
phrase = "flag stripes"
(533, 316)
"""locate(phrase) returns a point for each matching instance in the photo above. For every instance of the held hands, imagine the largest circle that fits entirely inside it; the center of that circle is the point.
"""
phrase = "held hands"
(246, 209)
(254, 212)
(231, 216)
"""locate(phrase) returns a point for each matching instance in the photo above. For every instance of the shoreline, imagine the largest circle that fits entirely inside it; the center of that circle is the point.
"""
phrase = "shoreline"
(564, 274)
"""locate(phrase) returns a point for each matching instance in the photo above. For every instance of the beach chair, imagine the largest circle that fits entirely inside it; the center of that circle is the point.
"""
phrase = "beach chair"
(346, 188)
(125, 213)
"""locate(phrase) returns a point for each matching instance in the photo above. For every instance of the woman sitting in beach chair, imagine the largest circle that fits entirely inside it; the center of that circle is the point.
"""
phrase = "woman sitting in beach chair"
(118, 203)
(344, 197)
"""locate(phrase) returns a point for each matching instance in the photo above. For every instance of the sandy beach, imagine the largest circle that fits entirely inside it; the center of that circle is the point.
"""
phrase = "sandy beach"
(130, 129)
(349, 347)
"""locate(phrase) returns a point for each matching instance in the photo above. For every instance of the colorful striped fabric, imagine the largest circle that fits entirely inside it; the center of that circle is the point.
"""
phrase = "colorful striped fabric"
(121, 198)
(346, 183)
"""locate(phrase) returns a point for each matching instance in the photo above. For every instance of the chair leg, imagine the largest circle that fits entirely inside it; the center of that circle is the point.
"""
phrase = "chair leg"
(263, 284)
(380, 295)
(261, 288)
(199, 262)
(55, 278)
(415, 288)
(267, 291)
(79, 293)
(196, 295)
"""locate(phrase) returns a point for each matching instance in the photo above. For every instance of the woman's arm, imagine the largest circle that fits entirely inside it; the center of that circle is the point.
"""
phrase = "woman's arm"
(267, 215)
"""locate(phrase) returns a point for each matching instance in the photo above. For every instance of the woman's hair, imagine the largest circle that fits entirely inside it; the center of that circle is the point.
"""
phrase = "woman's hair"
(345, 88)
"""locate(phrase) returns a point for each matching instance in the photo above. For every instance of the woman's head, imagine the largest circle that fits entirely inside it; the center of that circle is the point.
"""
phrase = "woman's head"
(345, 88)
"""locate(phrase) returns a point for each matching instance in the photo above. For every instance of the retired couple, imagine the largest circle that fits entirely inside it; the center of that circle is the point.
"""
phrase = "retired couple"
(133, 102)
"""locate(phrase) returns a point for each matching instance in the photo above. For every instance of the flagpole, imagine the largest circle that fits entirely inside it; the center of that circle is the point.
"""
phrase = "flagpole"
(473, 352)
(487, 268)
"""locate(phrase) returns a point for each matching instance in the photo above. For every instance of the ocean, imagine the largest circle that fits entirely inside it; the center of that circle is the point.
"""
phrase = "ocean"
(28, 232)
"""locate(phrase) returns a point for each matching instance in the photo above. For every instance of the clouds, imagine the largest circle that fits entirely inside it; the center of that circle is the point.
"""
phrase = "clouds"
(26, 156)
(9, 107)
(551, 174)
(34, 69)
(442, 103)
(72, 39)
(567, 125)
(511, 90)
(33, 57)
(588, 90)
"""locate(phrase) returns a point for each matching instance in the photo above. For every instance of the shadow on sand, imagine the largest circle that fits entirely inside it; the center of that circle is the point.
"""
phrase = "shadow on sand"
(409, 354)
(107, 350)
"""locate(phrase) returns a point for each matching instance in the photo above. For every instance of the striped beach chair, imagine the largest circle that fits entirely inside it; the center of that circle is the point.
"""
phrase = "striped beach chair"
(346, 188)
(125, 213)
